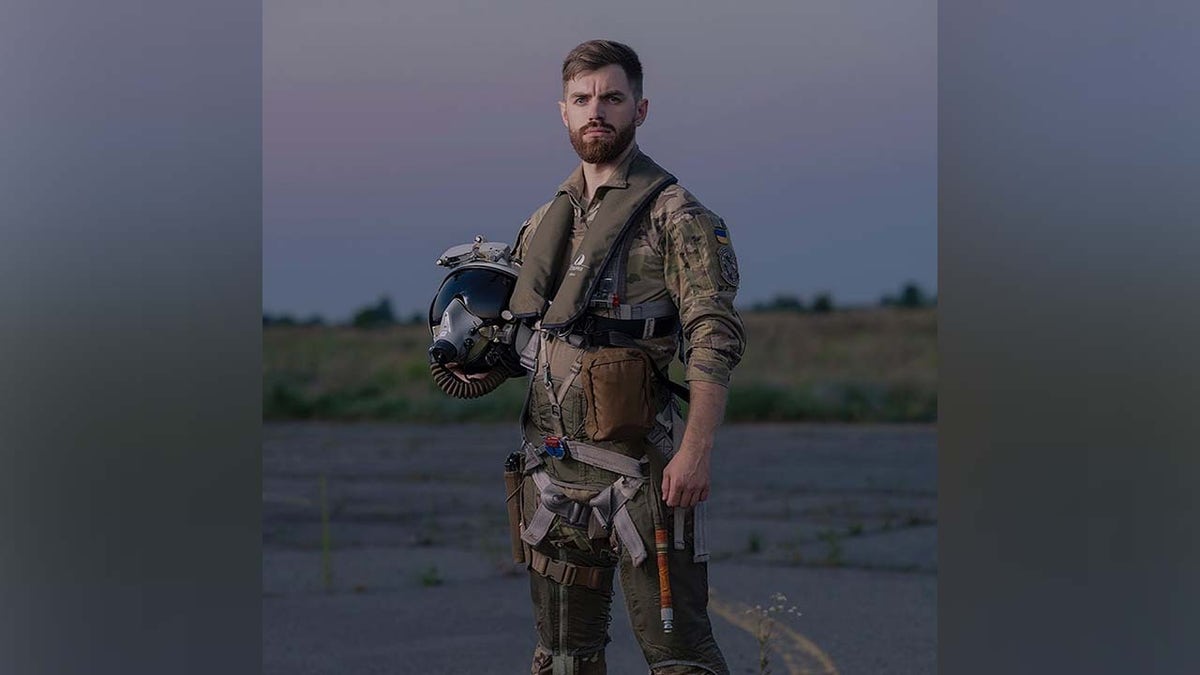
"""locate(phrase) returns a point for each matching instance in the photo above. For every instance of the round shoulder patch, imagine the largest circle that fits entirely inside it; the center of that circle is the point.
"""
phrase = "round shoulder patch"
(729, 269)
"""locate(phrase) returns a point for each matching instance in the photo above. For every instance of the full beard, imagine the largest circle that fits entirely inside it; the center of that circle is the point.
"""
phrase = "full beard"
(604, 149)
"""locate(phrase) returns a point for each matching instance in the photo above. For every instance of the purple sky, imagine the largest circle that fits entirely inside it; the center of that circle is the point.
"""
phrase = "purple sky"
(392, 132)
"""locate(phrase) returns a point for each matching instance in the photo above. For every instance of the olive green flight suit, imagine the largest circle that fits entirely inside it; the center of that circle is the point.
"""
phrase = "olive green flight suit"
(680, 251)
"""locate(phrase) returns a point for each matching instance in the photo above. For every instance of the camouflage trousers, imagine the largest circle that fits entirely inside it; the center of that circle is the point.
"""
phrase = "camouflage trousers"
(572, 621)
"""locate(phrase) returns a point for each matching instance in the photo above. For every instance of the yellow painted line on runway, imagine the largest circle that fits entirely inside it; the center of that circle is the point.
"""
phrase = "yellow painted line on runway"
(800, 655)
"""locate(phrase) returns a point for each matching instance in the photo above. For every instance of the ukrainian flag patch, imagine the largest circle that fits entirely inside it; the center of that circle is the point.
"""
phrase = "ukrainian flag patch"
(722, 234)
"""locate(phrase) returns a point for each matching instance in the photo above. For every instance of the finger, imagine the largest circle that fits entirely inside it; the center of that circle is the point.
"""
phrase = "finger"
(676, 494)
(666, 488)
(687, 498)
(704, 495)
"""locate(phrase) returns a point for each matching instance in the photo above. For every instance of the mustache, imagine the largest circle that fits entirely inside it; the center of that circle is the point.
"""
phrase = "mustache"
(597, 125)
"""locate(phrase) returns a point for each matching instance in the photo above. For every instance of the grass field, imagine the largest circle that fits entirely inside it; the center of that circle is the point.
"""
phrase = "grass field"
(869, 365)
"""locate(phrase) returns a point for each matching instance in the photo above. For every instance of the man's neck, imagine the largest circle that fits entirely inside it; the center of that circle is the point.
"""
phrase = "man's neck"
(595, 175)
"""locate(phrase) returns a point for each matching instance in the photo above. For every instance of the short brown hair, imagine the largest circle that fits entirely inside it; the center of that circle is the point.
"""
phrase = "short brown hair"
(595, 54)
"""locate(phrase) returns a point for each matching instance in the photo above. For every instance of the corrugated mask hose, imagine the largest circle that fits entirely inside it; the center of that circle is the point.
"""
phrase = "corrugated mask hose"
(458, 388)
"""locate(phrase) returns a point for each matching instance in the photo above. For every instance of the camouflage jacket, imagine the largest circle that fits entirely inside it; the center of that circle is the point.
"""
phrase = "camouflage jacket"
(680, 250)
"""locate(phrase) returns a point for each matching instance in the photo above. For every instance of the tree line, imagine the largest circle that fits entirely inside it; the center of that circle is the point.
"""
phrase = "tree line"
(380, 313)
(910, 296)
(376, 315)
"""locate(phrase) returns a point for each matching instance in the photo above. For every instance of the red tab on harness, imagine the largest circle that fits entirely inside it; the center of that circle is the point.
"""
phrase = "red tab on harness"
(554, 447)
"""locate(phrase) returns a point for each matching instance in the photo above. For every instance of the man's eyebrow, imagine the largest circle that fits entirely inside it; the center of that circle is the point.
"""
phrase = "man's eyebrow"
(610, 92)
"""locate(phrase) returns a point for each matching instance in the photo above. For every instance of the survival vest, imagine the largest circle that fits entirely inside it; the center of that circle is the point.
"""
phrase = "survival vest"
(595, 277)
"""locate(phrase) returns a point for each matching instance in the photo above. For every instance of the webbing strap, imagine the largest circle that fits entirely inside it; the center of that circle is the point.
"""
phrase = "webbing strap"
(700, 537)
(569, 574)
(629, 536)
(557, 397)
(606, 459)
(655, 309)
(562, 664)
(613, 498)
(555, 501)
(680, 518)
(538, 526)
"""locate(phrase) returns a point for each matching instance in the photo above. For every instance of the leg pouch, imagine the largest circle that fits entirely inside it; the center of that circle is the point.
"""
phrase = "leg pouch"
(618, 389)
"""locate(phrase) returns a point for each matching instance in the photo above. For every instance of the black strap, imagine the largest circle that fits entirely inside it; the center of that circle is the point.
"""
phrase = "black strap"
(634, 328)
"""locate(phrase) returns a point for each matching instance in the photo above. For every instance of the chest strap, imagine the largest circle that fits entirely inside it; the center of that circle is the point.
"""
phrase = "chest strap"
(599, 327)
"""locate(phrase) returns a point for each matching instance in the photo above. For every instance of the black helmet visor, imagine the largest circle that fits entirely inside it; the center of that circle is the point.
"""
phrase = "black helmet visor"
(485, 293)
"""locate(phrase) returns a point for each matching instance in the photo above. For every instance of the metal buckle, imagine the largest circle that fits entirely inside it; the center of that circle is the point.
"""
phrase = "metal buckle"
(569, 573)
(587, 324)
(579, 515)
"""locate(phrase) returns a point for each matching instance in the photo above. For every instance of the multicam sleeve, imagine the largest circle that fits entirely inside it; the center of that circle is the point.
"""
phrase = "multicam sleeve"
(702, 277)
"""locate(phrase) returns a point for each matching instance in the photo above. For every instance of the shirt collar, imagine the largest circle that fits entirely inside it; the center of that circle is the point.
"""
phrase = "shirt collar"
(575, 186)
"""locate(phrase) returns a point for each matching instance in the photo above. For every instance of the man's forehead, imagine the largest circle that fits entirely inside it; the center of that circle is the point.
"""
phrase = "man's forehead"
(610, 77)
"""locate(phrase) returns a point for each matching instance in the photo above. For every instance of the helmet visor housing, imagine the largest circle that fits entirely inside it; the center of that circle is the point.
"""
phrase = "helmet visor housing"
(484, 292)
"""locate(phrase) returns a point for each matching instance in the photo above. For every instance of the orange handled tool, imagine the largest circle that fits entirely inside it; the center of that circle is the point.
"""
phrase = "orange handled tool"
(664, 578)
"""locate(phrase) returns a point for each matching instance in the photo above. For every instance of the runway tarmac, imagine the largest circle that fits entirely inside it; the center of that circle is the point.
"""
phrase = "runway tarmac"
(417, 578)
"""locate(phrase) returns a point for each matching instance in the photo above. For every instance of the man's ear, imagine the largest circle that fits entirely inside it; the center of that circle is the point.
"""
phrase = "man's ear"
(562, 111)
(643, 107)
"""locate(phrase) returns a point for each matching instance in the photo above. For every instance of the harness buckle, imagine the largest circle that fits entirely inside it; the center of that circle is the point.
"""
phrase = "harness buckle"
(579, 514)
(569, 573)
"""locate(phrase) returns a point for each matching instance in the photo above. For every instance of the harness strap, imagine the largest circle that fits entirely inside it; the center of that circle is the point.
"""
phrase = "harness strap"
(700, 552)
(569, 574)
(557, 397)
(613, 498)
(655, 309)
(606, 459)
(641, 329)
(680, 518)
(609, 508)
(629, 537)
(538, 526)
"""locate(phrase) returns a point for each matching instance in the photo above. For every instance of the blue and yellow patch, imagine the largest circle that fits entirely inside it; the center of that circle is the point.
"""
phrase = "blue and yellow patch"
(722, 234)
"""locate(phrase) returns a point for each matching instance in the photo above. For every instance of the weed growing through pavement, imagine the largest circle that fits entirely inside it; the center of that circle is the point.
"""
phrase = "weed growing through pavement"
(764, 627)
(755, 543)
(833, 555)
(431, 577)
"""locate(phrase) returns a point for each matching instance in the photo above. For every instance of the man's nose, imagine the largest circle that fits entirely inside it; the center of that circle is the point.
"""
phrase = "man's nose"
(595, 111)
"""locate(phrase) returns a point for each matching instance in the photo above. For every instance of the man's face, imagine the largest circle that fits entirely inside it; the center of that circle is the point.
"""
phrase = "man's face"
(601, 114)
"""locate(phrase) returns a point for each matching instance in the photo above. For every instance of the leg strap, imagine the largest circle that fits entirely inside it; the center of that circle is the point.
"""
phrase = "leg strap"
(609, 508)
(569, 574)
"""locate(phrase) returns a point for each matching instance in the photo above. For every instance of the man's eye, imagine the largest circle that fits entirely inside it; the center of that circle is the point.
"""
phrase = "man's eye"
(614, 99)
(580, 99)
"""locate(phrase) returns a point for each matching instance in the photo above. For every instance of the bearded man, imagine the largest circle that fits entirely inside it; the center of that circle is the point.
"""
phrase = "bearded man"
(618, 271)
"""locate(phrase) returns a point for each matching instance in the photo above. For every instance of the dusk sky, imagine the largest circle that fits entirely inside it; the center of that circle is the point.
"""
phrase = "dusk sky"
(392, 132)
